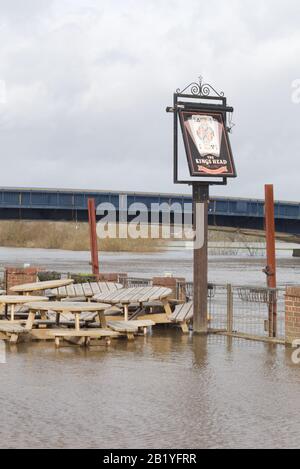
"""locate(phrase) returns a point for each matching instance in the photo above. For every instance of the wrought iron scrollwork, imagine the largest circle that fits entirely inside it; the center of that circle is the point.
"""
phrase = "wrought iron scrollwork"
(200, 89)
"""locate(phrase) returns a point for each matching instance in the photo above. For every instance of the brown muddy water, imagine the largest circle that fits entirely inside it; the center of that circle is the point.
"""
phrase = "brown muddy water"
(162, 391)
(165, 390)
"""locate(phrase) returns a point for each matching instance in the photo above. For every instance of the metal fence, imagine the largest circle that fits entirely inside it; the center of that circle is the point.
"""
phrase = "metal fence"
(252, 311)
(129, 282)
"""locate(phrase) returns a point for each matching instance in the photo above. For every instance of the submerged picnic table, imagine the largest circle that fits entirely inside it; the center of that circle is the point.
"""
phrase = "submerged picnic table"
(139, 295)
(75, 333)
(28, 288)
(14, 300)
(60, 307)
(12, 330)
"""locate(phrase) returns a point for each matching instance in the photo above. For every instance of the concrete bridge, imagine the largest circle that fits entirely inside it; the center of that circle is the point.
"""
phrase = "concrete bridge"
(71, 205)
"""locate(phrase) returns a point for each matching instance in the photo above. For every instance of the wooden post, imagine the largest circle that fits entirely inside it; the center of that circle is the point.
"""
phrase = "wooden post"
(200, 210)
(93, 237)
(271, 256)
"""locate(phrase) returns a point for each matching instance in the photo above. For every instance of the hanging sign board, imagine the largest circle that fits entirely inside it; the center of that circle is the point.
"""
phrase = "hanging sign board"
(207, 144)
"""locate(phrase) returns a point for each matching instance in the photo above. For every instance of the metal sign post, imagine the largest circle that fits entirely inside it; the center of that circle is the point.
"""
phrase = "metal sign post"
(201, 113)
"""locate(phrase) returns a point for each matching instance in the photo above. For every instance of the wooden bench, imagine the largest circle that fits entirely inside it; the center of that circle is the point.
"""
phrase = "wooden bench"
(67, 319)
(182, 315)
(81, 337)
(12, 332)
(130, 327)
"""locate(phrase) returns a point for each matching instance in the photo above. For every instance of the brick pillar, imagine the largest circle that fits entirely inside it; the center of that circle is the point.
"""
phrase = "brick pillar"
(171, 282)
(14, 276)
(112, 277)
(292, 314)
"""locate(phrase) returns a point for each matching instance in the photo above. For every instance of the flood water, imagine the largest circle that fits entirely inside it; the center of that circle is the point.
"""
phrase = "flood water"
(236, 269)
(165, 390)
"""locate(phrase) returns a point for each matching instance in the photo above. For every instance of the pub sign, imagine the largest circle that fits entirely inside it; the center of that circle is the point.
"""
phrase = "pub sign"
(207, 144)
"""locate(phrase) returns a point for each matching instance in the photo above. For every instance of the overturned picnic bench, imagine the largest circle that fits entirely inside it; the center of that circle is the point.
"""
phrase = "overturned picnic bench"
(83, 291)
(11, 332)
(183, 315)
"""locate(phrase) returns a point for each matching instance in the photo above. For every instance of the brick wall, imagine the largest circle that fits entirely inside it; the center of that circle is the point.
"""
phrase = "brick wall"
(171, 282)
(15, 277)
(292, 314)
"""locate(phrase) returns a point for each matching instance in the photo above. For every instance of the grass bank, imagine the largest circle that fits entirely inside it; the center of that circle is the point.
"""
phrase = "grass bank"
(75, 237)
(65, 235)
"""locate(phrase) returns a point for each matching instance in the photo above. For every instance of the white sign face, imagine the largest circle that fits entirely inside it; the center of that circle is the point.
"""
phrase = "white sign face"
(206, 134)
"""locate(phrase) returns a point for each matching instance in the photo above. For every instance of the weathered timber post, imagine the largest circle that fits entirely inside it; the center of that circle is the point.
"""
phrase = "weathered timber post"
(200, 211)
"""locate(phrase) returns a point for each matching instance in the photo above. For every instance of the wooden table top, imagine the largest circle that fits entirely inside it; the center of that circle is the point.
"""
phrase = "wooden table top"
(67, 307)
(87, 289)
(37, 286)
(18, 299)
(134, 295)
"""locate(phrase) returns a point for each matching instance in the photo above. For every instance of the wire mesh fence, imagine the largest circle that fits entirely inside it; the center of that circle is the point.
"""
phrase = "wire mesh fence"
(217, 308)
(130, 282)
(247, 310)
(255, 309)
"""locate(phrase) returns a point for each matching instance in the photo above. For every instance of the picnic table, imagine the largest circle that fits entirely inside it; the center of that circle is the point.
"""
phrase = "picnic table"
(14, 300)
(139, 295)
(28, 288)
(74, 335)
(60, 307)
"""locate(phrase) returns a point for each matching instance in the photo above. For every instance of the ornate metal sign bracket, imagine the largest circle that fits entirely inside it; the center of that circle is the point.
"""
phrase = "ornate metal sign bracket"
(203, 100)
(200, 90)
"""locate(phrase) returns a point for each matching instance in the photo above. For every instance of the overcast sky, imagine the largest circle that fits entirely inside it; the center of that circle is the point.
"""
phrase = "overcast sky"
(87, 83)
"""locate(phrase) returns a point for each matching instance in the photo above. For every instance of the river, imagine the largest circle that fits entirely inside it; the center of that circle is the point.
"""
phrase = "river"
(222, 268)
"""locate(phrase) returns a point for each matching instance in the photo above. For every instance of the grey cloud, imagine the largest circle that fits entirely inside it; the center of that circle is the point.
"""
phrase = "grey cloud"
(88, 83)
